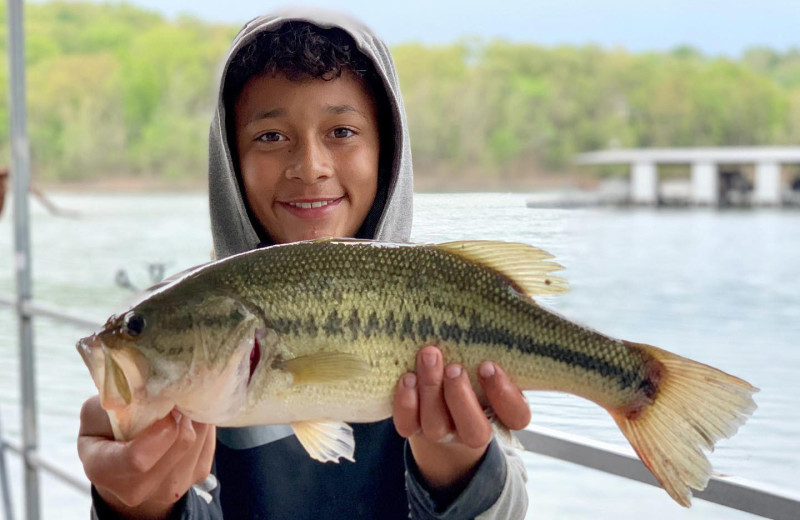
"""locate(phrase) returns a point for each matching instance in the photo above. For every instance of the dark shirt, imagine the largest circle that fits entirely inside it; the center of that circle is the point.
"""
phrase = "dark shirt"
(279, 481)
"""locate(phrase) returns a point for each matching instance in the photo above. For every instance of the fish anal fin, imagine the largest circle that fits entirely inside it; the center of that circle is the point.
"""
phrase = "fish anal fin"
(526, 266)
(695, 406)
(325, 367)
(501, 431)
(326, 441)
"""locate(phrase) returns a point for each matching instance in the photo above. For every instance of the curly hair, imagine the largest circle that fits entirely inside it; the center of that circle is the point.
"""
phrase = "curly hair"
(300, 51)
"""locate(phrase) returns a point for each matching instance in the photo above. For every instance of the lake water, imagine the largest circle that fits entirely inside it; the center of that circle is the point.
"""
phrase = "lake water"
(718, 286)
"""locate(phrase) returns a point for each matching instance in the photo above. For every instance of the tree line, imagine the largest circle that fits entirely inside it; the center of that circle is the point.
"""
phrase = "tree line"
(117, 91)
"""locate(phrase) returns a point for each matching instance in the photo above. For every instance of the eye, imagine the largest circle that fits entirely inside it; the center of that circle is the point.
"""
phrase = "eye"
(270, 137)
(341, 133)
(133, 324)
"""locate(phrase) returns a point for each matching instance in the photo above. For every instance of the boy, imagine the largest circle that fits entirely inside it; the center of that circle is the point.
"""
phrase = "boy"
(310, 140)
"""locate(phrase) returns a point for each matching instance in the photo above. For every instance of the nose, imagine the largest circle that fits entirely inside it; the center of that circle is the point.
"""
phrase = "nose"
(311, 162)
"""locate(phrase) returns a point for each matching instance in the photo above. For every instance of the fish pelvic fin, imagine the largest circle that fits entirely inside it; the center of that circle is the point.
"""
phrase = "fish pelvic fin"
(694, 406)
(527, 267)
(326, 441)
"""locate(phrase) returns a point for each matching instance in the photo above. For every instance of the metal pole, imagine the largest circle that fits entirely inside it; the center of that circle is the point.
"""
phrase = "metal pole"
(20, 177)
(5, 493)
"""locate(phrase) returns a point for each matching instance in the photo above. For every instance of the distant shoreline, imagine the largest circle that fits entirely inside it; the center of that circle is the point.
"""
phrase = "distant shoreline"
(124, 185)
(422, 184)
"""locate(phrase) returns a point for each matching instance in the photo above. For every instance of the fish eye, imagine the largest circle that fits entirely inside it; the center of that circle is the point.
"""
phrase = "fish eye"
(133, 324)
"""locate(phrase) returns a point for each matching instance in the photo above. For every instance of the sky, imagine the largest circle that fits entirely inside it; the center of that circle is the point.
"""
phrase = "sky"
(716, 27)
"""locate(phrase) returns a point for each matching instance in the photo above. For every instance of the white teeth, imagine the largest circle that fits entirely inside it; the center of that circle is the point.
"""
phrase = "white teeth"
(309, 205)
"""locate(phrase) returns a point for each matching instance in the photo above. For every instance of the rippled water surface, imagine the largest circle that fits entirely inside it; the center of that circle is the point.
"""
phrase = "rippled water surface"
(718, 286)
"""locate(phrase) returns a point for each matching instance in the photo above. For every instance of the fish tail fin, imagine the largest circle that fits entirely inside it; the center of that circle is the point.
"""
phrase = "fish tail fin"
(695, 405)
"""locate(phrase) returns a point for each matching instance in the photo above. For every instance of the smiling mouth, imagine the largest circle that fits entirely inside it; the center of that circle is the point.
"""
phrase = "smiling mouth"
(314, 204)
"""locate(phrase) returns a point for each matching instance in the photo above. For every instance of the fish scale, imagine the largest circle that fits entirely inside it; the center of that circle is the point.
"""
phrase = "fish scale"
(318, 333)
(463, 305)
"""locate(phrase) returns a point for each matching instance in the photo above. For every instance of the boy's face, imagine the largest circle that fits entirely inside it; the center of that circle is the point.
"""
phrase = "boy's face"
(308, 153)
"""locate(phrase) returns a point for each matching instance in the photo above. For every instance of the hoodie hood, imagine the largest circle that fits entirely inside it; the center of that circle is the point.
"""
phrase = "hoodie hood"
(231, 226)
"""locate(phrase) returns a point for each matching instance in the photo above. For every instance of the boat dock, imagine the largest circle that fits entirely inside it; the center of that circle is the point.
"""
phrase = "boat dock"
(722, 176)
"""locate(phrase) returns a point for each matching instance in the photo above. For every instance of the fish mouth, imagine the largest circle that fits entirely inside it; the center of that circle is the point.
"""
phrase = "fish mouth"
(116, 372)
(91, 351)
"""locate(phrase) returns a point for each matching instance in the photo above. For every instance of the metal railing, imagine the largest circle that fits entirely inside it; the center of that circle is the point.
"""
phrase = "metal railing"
(751, 497)
(735, 493)
(77, 483)
(5, 488)
(33, 461)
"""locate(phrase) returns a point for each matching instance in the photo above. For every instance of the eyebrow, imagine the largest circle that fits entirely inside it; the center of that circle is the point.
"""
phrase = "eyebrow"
(343, 109)
(280, 112)
(267, 114)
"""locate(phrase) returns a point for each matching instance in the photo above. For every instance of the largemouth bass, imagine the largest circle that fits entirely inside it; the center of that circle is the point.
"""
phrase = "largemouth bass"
(316, 334)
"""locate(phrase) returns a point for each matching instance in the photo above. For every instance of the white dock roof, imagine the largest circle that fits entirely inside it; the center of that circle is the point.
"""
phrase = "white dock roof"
(731, 154)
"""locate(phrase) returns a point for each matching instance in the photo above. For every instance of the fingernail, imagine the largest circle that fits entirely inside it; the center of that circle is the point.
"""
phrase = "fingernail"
(429, 359)
(176, 415)
(453, 371)
(410, 380)
(486, 369)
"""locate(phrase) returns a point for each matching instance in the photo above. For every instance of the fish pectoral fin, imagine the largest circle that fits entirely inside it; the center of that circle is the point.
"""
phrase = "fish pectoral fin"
(326, 441)
(116, 392)
(526, 266)
(325, 367)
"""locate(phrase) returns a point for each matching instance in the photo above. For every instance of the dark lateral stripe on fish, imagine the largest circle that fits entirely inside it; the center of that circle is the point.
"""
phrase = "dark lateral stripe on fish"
(424, 330)
(221, 321)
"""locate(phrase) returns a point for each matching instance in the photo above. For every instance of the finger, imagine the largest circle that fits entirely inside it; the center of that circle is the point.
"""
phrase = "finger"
(191, 460)
(206, 458)
(162, 480)
(194, 458)
(148, 450)
(186, 471)
(105, 460)
(433, 415)
(472, 427)
(94, 420)
(508, 403)
(405, 407)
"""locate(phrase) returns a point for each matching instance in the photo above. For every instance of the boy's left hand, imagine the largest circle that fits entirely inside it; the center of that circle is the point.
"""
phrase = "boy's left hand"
(436, 403)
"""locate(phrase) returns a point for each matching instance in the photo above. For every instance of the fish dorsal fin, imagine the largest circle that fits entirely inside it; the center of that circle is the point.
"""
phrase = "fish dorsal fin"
(326, 441)
(526, 266)
(325, 367)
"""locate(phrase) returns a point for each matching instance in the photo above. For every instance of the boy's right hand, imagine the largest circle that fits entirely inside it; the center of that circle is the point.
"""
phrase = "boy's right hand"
(144, 477)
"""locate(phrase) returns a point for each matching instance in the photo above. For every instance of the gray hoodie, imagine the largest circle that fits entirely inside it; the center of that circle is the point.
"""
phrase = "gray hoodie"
(263, 472)
(231, 227)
